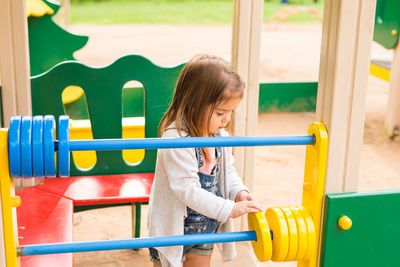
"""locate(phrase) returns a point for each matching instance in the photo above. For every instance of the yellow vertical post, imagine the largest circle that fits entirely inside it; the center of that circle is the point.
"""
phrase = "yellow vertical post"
(314, 182)
(8, 204)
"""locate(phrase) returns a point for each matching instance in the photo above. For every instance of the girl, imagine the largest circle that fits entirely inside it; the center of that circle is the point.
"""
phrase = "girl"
(197, 190)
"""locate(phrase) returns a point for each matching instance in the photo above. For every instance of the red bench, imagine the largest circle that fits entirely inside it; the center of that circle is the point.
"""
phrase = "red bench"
(46, 212)
(104, 189)
(44, 218)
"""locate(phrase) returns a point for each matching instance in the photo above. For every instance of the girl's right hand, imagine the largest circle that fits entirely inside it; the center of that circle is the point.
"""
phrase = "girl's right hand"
(243, 207)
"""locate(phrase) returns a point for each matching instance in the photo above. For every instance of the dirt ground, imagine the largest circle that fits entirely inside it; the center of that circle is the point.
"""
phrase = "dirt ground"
(288, 53)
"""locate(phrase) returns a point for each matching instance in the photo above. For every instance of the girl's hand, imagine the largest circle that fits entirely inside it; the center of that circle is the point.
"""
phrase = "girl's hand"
(243, 207)
(244, 195)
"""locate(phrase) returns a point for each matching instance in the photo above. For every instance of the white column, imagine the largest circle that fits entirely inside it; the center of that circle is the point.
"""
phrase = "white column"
(342, 86)
(393, 110)
(345, 56)
(14, 60)
(246, 38)
(14, 64)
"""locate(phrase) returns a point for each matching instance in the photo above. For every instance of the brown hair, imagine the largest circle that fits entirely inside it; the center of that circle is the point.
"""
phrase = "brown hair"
(204, 82)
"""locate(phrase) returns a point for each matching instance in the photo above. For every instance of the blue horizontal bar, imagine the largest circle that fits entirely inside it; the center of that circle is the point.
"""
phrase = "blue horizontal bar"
(132, 243)
(155, 143)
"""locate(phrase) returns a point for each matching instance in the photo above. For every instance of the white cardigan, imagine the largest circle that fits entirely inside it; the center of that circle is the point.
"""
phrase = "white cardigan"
(176, 186)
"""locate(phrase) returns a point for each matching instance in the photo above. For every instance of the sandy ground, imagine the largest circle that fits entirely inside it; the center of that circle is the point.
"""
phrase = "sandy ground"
(289, 53)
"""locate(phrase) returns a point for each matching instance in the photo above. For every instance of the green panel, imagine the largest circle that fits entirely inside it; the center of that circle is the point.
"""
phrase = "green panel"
(77, 110)
(374, 238)
(132, 105)
(288, 97)
(49, 44)
(103, 90)
(133, 102)
(387, 19)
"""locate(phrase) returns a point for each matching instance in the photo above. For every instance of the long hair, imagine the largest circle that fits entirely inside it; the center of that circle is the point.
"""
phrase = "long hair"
(204, 82)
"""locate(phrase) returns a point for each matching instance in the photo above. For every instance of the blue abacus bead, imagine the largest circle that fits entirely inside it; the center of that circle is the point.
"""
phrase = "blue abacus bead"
(14, 146)
(48, 146)
(37, 147)
(63, 146)
(26, 147)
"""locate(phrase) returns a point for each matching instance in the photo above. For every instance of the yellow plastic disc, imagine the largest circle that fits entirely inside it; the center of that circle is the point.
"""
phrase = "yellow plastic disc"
(302, 232)
(71, 94)
(345, 223)
(312, 237)
(263, 245)
(280, 233)
(293, 240)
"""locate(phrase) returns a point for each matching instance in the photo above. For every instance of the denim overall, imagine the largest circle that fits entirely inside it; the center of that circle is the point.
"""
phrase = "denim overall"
(196, 223)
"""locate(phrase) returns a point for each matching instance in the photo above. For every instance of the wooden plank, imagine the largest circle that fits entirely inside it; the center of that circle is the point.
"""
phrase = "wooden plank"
(7, 68)
(14, 60)
(21, 57)
(393, 111)
(246, 38)
(343, 76)
(240, 54)
(253, 87)
(344, 66)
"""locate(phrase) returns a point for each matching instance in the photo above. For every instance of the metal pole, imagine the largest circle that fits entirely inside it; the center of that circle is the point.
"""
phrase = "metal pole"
(156, 143)
(132, 243)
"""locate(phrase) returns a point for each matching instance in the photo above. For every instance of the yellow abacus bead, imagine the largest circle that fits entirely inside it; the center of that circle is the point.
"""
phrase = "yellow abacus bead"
(262, 247)
(280, 241)
(293, 237)
(301, 232)
(312, 237)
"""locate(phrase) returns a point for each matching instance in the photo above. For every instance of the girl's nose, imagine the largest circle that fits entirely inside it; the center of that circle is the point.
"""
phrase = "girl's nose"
(227, 117)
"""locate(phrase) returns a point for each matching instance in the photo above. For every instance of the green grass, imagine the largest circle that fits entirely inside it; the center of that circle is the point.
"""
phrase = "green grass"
(174, 11)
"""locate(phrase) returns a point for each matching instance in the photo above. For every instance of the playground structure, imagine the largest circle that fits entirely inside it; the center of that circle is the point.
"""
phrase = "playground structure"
(283, 247)
(341, 81)
(386, 33)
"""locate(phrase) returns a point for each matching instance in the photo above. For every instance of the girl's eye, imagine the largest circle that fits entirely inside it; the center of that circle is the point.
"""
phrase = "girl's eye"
(220, 114)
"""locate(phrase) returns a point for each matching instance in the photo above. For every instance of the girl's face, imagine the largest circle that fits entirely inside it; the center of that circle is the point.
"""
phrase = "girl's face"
(221, 115)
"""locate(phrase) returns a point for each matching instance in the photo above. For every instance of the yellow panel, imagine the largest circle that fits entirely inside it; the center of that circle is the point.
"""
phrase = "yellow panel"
(71, 93)
(82, 159)
(380, 72)
(37, 8)
(280, 242)
(133, 131)
(263, 245)
(8, 212)
(81, 130)
(314, 182)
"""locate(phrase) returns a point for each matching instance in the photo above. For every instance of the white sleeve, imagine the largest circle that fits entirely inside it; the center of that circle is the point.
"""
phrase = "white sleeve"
(181, 169)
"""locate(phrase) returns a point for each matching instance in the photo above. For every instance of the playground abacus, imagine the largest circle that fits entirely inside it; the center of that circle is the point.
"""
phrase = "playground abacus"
(281, 234)
(32, 144)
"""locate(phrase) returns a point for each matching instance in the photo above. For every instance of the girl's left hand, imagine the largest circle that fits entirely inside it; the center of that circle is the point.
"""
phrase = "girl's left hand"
(244, 195)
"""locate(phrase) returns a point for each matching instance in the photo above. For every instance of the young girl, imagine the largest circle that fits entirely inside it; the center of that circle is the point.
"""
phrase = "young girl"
(197, 190)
